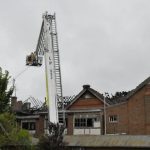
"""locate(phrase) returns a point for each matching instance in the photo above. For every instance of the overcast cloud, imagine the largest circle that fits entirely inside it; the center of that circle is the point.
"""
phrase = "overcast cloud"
(104, 43)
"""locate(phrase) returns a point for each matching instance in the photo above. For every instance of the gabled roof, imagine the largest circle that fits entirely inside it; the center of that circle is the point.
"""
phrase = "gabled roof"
(141, 85)
(110, 102)
(86, 88)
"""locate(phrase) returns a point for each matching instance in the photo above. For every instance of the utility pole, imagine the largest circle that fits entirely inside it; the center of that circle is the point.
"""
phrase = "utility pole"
(105, 119)
(14, 86)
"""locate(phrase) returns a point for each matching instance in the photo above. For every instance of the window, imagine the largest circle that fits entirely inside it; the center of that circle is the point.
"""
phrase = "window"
(80, 122)
(25, 125)
(90, 122)
(84, 122)
(113, 118)
(28, 125)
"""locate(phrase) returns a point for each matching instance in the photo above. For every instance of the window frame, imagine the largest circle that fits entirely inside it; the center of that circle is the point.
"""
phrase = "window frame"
(83, 122)
(31, 125)
(113, 119)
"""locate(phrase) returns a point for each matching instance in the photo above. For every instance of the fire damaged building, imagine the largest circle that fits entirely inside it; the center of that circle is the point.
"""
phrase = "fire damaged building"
(34, 119)
(90, 113)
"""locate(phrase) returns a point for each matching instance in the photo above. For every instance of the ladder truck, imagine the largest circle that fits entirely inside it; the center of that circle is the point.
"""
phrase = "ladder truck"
(47, 48)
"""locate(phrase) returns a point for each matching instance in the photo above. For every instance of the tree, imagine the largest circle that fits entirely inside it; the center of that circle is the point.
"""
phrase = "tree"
(5, 93)
(117, 96)
(11, 136)
(54, 140)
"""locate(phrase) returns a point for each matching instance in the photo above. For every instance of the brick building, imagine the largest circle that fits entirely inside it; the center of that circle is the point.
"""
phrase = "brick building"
(132, 114)
(85, 113)
(32, 119)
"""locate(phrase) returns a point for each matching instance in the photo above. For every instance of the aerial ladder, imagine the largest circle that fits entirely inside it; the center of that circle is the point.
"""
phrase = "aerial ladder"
(47, 48)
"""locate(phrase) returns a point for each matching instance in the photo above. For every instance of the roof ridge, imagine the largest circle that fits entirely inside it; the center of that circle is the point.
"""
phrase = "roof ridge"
(132, 92)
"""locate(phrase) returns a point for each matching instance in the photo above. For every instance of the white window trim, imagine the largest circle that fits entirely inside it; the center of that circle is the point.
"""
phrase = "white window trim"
(112, 120)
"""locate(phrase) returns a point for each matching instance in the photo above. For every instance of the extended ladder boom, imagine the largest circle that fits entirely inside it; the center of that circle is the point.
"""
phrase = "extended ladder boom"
(47, 46)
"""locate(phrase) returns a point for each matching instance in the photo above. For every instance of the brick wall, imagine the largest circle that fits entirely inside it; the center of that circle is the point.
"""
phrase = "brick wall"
(136, 113)
(40, 125)
(133, 116)
(88, 103)
(147, 114)
(121, 126)
(70, 124)
(16, 105)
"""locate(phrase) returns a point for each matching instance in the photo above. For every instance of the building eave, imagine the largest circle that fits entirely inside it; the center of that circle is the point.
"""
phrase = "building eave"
(83, 111)
(28, 117)
(117, 104)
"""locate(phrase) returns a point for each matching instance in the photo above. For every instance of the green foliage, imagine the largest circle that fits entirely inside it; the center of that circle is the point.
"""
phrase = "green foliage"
(7, 120)
(11, 134)
(117, 95)
(23, 137)
(5, 93)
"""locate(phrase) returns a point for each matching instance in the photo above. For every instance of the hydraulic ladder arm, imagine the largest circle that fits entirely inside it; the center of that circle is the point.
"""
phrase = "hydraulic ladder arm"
(47, 47)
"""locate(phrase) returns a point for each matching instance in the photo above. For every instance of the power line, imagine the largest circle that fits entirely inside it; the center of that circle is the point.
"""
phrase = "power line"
(19, 74)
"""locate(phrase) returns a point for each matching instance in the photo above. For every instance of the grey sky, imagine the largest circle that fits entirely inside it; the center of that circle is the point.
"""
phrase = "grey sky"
(104, 43)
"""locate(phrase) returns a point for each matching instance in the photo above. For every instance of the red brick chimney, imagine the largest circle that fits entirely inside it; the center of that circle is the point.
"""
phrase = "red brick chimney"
(15, 105)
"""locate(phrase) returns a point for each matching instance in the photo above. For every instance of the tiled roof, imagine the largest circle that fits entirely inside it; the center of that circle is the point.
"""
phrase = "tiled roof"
(99, 95)
(126, 141)
(94, 92)
(141, 85)
(131, 93)
(108, 101)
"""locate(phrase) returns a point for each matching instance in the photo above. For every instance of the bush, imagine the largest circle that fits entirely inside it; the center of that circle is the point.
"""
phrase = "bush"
(54, 140)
